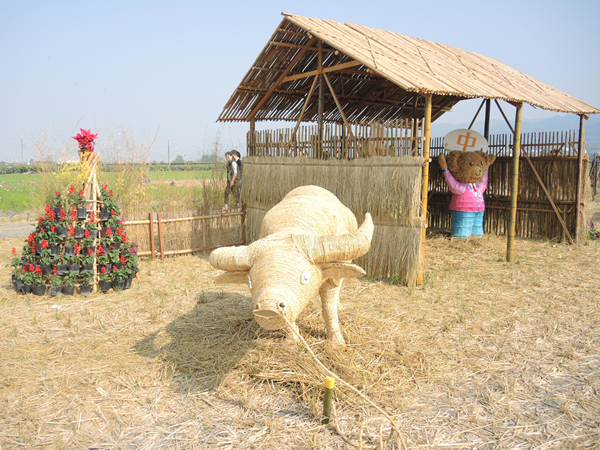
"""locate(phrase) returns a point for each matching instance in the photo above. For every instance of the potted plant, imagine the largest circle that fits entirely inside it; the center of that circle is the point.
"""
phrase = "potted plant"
(119, 277)
(27, 278)
(61, 267)
(16, 264)
(85, 140)
(37, 281)
(103, 260)
(79, 230)
(69, 284)
(70, 242)
(72, 266)
(46, 259)
(92, 226)
(105, 280)
(56, 284)
(106, 234)
(78, 202)
(88, 280)
(113, 256)
(62, 227)
(119, 236)
(56, 202)
(87, 259)
(54, 240)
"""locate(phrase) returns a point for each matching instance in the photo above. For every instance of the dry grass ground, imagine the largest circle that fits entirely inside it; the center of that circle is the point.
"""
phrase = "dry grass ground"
(487, 355)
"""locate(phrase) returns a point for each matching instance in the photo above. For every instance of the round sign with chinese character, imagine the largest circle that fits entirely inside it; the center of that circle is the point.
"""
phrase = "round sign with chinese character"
(465, 140)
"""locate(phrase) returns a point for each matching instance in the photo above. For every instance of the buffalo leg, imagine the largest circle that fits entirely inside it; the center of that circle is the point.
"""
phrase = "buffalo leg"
(330, 295)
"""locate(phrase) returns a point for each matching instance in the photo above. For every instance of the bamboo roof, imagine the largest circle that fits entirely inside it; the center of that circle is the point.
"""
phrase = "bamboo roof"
(376, 75)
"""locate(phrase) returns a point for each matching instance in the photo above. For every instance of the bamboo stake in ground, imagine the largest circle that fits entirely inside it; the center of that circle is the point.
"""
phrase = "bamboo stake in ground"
(161, 245)
(151, 227)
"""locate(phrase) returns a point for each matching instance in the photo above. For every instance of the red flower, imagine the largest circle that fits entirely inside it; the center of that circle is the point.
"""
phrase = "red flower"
(55, 272)
(108, 232)
(57, 193)
(87, 233)
(115, 268)
(81, 193)
(40, 220)
(72, 231)
(105, 187)
(112, 212)
(50, 213)
(93, 217)
(110, 194)
(63, 215)
(90, 252)
(30, 238)
(24, 269)
(101, 250)
(124, 238)
(120, 231)
(103, 270)
(111, 247)
(42, 230)
(38, 270)
(71, 190)
(53, 229)
(85, 139)
(122, 259)
(132, 251)
(45, 244)
(74, 215)
(14, 251)
(77, 248)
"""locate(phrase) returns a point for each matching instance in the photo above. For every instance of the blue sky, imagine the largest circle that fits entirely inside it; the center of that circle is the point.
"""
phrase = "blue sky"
(169, 67)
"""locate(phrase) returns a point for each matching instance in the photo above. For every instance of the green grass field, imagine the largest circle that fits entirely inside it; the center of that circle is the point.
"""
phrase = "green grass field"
(21, 192)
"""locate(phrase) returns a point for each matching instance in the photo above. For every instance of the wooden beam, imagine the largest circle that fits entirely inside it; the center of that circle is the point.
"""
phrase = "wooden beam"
(312, 49)
(324, 70)
(281, 77)
(486, 124)
(339, 106)
(515, 185)
(306, 102)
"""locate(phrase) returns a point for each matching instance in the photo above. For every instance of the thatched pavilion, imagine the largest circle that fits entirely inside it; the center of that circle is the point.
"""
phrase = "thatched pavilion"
(322, 71)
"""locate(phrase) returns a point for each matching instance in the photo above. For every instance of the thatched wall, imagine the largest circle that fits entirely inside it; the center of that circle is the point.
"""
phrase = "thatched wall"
(387, 187)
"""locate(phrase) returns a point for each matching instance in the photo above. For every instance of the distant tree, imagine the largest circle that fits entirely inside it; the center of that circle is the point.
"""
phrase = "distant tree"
(179, 160)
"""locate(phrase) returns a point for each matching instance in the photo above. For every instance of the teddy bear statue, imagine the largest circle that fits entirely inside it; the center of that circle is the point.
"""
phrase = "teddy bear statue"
(466, 173)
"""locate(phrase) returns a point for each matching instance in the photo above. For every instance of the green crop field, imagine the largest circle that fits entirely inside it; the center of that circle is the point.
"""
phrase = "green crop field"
(21, 192)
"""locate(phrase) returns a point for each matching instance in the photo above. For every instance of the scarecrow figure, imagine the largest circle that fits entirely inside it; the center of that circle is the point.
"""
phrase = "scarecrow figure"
(466, 173)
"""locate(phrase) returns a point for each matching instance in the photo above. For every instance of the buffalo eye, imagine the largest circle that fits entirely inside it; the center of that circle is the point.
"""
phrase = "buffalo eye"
(472, 163)
(305, 276)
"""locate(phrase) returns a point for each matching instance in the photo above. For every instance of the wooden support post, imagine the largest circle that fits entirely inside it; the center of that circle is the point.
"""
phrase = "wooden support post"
(580, 179)
(320, 131)
(243, 224)
(151, 226)
(161, 245)
(486, 125)
(515, 184)
(251, 149)
(425, 187)
(306, 102)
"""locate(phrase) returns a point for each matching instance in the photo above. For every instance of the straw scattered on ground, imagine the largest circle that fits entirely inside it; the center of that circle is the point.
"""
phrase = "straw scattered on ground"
(486, 355)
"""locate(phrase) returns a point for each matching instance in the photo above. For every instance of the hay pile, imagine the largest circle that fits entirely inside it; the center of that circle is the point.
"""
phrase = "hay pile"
(387, 187)
(487, 355)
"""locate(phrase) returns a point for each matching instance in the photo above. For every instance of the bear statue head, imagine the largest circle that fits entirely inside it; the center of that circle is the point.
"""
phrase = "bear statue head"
(469, 167)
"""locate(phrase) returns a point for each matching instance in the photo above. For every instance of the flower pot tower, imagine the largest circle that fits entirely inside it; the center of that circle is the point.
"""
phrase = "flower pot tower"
(79, 241)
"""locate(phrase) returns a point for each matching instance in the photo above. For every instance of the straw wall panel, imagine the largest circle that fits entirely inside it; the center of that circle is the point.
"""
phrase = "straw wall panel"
(387, 187)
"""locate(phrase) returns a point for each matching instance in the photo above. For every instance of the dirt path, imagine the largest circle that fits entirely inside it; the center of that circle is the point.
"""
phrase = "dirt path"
(17, 229)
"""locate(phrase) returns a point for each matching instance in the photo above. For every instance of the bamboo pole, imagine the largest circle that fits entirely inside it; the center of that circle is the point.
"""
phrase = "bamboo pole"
(339, 106)
(161, 245)
(580, 171)
(244, 224)
(486, 127)
(95, 204)
(515, 184)
(151, 227)
(425, 188)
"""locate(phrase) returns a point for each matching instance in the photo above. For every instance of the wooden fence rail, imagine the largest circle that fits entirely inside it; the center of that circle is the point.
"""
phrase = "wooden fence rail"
(206, 230)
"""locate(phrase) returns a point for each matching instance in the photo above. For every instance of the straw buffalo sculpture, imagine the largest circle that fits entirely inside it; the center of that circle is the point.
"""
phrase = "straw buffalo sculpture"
(308, 241)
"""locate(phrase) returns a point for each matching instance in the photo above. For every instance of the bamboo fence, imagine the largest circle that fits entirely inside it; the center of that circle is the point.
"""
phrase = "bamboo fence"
(389, 187)
(173, 235)
(392, 138)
